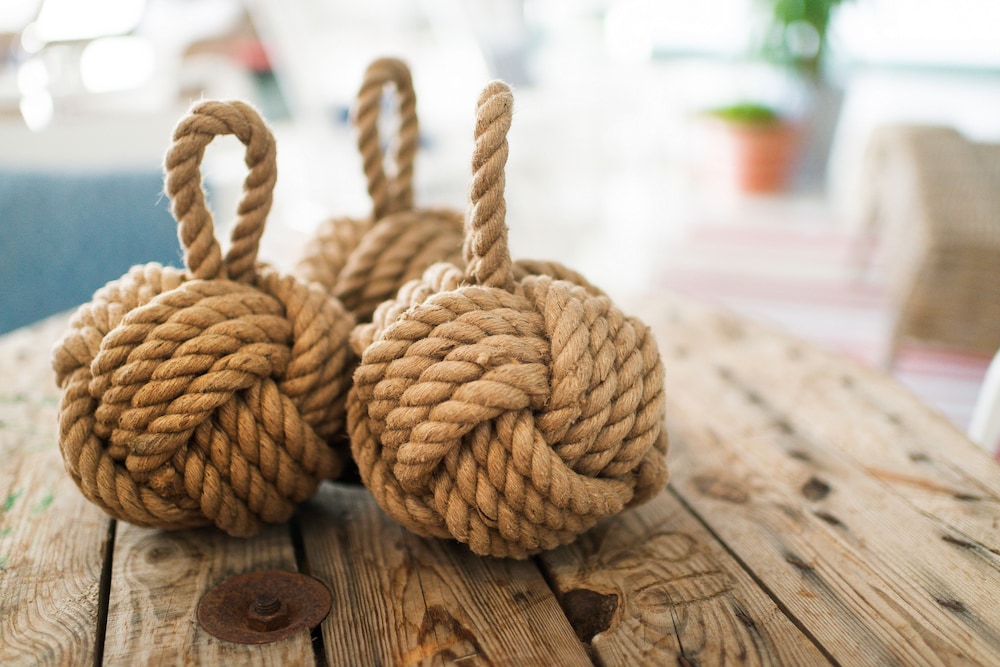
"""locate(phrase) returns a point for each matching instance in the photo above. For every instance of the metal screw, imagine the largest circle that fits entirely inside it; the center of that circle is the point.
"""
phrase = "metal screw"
(267, 613)
(266, 603)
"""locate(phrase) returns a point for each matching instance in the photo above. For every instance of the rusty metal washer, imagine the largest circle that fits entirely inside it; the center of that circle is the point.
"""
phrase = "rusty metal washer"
(264, 606)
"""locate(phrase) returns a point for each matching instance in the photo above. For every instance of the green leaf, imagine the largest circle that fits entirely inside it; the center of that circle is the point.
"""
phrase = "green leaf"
(749, 113)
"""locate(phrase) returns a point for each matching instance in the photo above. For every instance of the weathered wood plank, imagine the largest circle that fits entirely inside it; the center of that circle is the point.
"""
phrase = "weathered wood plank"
(402, 600)
(913, 449)
(52, 541)
(159, 577)
(916, 451)
(653, 587)
(822, 563)
(869, 573)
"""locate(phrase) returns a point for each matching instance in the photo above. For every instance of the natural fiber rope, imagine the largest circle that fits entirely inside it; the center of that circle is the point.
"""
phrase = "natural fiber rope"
(508, 406)
(388, 196)
(207, 395)
(183, 167)
(486, 255)
(364, 262)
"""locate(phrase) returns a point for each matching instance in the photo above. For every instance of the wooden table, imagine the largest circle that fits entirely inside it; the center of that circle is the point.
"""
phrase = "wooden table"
(818, 513)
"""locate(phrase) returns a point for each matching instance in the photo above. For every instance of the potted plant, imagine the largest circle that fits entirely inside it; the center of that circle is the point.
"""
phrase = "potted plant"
(759, 144)
(763, 142)
(796, 37)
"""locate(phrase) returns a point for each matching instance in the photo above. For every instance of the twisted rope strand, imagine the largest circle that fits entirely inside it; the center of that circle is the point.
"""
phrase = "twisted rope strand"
(396, 193)
(396, 250)
(258, 196)
(487, 258)
(196, 230)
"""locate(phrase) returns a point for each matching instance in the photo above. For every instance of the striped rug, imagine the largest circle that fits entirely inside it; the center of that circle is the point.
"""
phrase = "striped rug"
(798, 273)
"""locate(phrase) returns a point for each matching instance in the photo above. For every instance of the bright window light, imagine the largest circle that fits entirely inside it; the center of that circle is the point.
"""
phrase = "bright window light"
(117, 63)
(32, 76)
(37, 109)
(956, 33)
(16, 14)
(30, 41)
(627, 32)
(67, 20)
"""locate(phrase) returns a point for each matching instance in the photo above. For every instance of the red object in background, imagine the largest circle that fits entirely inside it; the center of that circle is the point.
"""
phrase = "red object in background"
(762, 155)
(252, 54)
(753, 158)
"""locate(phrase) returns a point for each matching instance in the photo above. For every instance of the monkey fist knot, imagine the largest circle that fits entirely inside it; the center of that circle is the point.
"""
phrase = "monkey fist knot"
(511, 420)
(191, 402)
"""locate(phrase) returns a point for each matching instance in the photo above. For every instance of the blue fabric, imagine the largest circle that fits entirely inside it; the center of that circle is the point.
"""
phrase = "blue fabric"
(64, 235)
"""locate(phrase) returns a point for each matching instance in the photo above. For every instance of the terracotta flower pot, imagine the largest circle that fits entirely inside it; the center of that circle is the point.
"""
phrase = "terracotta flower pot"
(754, 157)
(762, 155)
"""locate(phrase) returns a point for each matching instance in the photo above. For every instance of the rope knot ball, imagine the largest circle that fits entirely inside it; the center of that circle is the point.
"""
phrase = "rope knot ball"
(206, 396)
(363, 262)
(508, 405)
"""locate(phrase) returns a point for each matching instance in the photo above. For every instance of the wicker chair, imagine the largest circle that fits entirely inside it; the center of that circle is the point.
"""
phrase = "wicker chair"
(933, 198)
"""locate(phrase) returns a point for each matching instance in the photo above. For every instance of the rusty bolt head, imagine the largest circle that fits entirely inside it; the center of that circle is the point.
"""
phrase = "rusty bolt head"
(267, 613)
(262, 607)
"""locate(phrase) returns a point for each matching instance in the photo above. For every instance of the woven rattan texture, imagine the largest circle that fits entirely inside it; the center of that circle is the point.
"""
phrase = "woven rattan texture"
(934, 198)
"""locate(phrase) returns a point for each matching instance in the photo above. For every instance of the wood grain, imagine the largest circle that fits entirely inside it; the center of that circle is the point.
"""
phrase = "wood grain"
(52, 540)
(913, 449)
(679, 597)
(159, 577)
(916, 451)
(817, 511)
(403, 600)
(832, 532)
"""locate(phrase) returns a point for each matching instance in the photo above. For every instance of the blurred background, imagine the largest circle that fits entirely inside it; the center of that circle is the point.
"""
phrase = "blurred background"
(717, 148)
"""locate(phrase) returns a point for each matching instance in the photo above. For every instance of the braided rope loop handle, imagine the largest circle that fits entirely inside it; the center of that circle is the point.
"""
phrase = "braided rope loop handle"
(196, 228)
(487, 256)
(389, 195)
